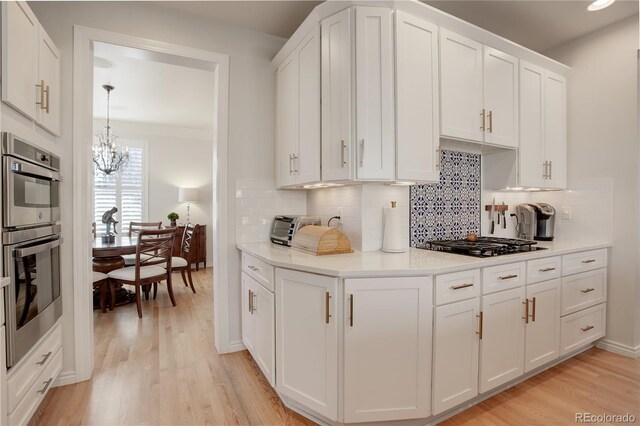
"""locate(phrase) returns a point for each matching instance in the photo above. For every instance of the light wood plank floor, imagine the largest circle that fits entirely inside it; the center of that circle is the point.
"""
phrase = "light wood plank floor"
(163, 370)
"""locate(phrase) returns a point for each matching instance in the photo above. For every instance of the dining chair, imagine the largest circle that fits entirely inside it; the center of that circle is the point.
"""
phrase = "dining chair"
(153, 263)
(100, 280)
(134, 229)
(183, 262)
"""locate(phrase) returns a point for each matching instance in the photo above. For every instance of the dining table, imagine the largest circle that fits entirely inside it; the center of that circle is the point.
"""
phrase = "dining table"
(107, 257)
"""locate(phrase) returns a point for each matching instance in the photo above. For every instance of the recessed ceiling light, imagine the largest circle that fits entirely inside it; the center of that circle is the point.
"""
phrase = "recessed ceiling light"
(599, 5)
(102, 62)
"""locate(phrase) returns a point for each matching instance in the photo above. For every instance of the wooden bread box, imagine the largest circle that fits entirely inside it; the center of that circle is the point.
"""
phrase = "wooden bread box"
(321, 240)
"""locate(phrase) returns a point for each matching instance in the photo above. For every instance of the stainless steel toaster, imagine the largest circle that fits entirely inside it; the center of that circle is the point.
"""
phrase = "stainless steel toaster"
(283, 228)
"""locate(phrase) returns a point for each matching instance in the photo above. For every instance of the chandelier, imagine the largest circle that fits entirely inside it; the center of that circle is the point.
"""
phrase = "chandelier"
(108, 156)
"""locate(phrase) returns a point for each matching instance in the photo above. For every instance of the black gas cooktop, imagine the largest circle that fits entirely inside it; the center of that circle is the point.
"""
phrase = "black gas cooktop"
(483, 246)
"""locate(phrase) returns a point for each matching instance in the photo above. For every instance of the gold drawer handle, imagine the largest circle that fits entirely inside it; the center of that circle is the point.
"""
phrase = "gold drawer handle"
(327, 311)
(44, 359)
(458, 287)
(587, 290)
(480, 324)
(526, 311)
(588, 261)
(253, 268)
(46, 386)
(587, 328)
(547, 269)
(508, 277)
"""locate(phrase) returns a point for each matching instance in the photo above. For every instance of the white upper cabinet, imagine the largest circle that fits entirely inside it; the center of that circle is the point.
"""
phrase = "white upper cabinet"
(30, 67)
(479, 89)
(375, 134)
(336, 96)
(500, 98)
(298, 115)
(417, 100)
(461, 111)
(543, 138)
(20, 30)
(387, 348)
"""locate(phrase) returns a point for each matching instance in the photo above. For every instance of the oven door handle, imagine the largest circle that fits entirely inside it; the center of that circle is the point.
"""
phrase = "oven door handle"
(28, 251)
(26, 169)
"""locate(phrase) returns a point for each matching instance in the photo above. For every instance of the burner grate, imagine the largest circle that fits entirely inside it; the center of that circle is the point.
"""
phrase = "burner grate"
(483, 246)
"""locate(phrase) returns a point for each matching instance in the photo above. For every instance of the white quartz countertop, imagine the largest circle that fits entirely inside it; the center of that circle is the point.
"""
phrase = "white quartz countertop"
(4, 281)
(413, 262)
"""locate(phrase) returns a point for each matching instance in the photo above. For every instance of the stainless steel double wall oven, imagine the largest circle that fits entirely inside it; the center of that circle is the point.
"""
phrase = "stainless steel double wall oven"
(30, 242)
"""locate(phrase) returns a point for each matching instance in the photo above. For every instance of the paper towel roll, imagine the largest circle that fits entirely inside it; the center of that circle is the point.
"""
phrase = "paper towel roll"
(392, 241)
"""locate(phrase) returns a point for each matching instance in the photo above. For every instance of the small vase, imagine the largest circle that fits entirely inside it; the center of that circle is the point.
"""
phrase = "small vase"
(173, 223)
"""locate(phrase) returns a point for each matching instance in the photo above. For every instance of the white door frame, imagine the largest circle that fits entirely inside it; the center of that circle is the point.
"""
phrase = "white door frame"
(82, 178)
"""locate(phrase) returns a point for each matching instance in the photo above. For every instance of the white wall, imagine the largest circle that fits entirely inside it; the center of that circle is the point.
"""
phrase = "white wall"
(178, 157)
(603, 142)
(251, 112)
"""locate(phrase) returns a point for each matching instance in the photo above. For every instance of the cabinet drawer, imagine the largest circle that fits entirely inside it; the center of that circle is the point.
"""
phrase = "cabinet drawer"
(582, 328)
(583, 290)
(259, 270)
(22, 376)
(584, 261)
(457, 286)
(545, 269)
(503, 277)
(36, 392)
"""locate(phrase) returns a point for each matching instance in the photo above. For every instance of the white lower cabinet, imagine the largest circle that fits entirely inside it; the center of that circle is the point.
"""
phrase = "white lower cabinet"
(387, 348)
(455, 354)
(258, 325)
(581, 328)
(307, 340)
(3, 397)
(502, 342)
(542, 337)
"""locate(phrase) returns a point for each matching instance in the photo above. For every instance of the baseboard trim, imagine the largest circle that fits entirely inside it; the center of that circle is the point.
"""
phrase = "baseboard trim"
(619, 348)
(65, 378)
(235, 346)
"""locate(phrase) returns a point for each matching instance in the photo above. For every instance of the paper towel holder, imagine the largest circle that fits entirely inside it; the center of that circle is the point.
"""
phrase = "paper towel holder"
(391, 242)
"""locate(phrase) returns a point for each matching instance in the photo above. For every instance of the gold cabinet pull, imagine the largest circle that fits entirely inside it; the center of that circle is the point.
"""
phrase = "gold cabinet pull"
(343, 158)
(490, 116)
(480, 324)
(547, 269)
(44, 358)
(458, 287)
(533, 309)
(250, 302)
(587, 328)
(47, 93)
(351, 310)
(41, 101)
(254, 296)
(482, 114)
(508, 277)
(438, 161)
(46, 386)
(526, 311)
(362, 153)
(588, 261)
(587, 290)
(327, 313)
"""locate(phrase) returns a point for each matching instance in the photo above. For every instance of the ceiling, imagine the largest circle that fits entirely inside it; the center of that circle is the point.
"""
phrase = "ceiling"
(152, 88)
(537, 24)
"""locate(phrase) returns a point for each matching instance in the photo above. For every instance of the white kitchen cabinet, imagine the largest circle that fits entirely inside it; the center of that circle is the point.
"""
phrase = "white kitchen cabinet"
(455, 354)
(30, 67)
(336, 96)
(582, 328)
(460, 87)
(542, 337)
(417, 99)
(258, 334)
(542, 128)
(298, 116)
(374, 54)
(479, 91)
(20, 30)
(387, 348)
(500, 73)
(502, 343)
(307, 340)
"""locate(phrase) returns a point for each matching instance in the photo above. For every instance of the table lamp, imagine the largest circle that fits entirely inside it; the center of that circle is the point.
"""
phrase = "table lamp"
(188, 195)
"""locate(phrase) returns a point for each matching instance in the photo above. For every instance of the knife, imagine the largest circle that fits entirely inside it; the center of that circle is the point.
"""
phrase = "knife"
(504, 216)
(493, 223)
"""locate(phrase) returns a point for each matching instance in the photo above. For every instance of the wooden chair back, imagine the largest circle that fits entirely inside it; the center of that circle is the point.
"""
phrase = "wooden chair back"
(136, 227)
(154, 248)
(189, 241)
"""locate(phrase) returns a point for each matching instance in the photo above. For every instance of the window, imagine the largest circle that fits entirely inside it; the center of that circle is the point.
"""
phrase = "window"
(126, 190)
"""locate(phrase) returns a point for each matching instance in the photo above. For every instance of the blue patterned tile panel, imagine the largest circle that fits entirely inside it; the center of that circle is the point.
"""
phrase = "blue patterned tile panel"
(449, 209)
